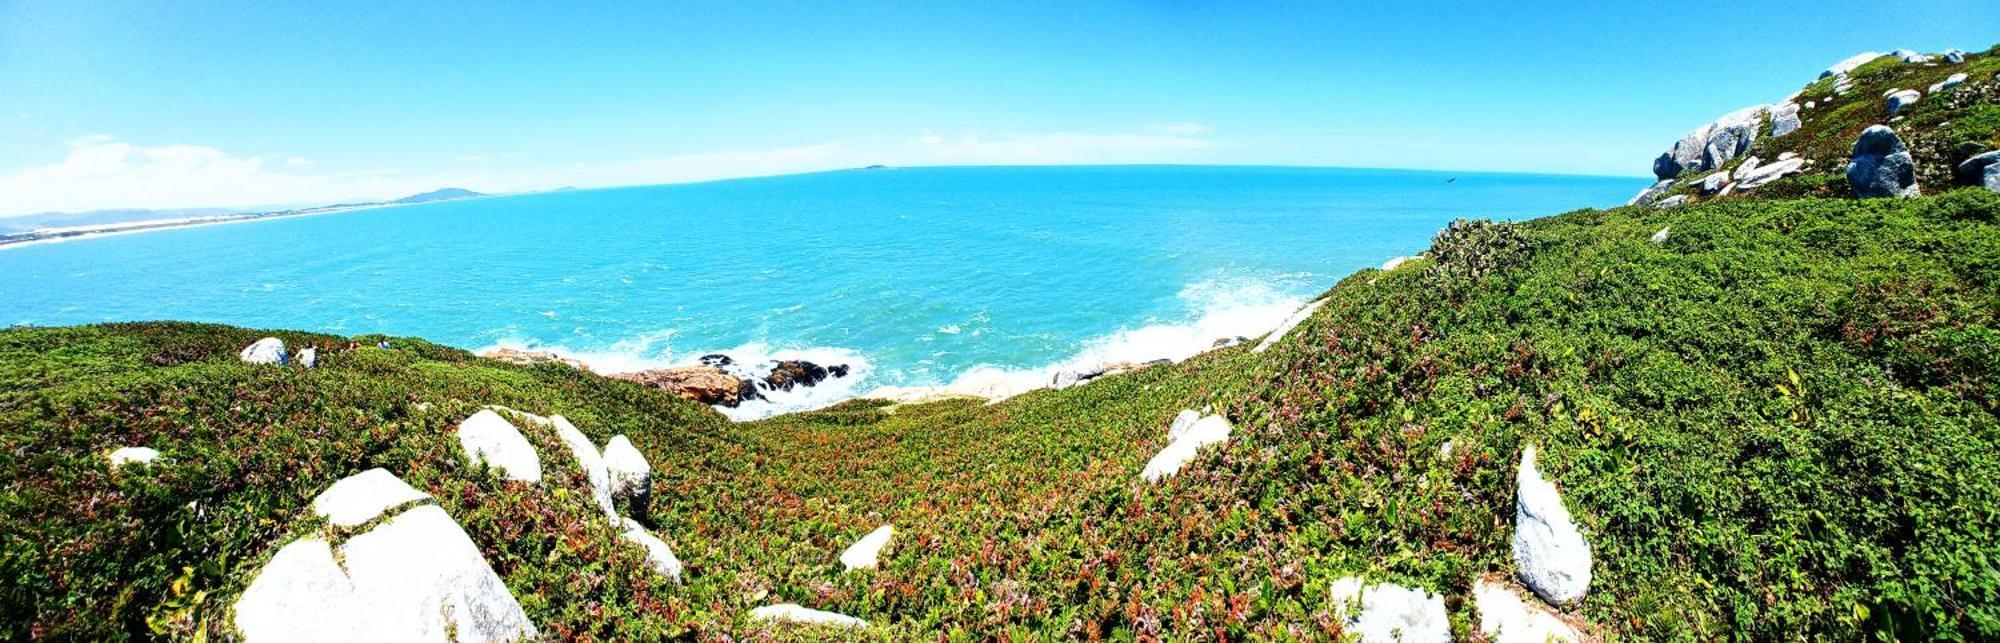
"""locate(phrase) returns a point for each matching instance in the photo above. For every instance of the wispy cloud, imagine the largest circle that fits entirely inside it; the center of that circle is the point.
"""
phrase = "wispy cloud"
(1185, 129)
(100, 171)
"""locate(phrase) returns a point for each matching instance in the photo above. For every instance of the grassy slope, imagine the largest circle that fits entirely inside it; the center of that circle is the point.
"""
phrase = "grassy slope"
(1780, 422)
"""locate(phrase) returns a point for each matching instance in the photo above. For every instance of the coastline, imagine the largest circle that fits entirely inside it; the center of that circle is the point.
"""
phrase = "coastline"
(42, 236)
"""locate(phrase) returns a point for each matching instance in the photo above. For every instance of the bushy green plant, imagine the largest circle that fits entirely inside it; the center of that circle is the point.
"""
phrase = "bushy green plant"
(1467, 251)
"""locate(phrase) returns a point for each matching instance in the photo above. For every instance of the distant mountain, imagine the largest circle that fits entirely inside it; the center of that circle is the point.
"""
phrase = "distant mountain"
(41, 220)
(445, 194)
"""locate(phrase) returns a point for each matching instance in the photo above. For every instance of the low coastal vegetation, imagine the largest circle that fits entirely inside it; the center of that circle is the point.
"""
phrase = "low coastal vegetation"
(1770, 418)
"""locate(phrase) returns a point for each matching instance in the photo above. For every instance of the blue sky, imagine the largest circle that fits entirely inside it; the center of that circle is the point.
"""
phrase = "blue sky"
(175, 104)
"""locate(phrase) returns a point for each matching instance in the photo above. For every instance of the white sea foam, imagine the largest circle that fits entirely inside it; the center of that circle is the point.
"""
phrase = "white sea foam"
(1216, 309)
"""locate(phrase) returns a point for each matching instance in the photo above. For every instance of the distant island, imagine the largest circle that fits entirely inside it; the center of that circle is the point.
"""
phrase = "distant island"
(49, 226)
(443, 194)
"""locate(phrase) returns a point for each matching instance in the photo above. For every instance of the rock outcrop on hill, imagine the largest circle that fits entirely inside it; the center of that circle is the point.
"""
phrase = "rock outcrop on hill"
(1881, 165)
(1711, 145)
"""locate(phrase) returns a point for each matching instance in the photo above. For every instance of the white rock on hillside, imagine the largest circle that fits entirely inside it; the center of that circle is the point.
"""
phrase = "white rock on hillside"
(309, 357)
(1505, 618)
(658, 554)
(1949, 82)
(1954, 56)
(1648, 195)
(303, 595)
(1395, 263)
(1909, 56)
(1674, 201)
(1549, 553)
(132, 455)
(1785, 119)
(589, 460)
(865, 553)
(1661, 236)
(414, 577)
(1849, 63)
(359, 498)
(1181, 449)
(1768, 172)
(269, 350)
(491, 439)
(794, 613)
(1901, 99)
(1713, 183)
(630, 474)
(1390, 613)
(1286, 327)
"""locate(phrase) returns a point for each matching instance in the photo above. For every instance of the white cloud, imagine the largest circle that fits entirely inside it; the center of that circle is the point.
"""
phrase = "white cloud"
(1185, 129)
(100, 171)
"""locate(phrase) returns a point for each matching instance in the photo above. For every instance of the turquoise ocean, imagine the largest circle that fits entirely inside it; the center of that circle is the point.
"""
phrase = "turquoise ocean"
(970, 278)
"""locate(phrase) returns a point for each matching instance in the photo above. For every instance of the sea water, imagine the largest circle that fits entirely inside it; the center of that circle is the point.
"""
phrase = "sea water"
(969, 278)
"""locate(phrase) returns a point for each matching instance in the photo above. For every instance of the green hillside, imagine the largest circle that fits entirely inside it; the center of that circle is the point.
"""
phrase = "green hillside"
(1780, 422)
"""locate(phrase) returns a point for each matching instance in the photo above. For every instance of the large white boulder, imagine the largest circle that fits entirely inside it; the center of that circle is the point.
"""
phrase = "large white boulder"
(132, 455)
(1505, 618)
(303, 595)
(794, 613)
(630, 474)
(1549, 553)
(413, 577)
(865, 553)
(1285, 328)
(359, 498)
(1390, 613)
(1849, 63)
(1183, 447)
(588, 459)
(658, 554)
(269, 350)
(491, 439)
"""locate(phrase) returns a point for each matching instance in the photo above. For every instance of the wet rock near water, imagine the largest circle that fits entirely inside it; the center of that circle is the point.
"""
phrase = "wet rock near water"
(720, 380)
(705, 384)
(791, 373)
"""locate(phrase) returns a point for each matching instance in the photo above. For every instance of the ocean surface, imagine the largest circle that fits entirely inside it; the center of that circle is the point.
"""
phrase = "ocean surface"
(968, 278)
